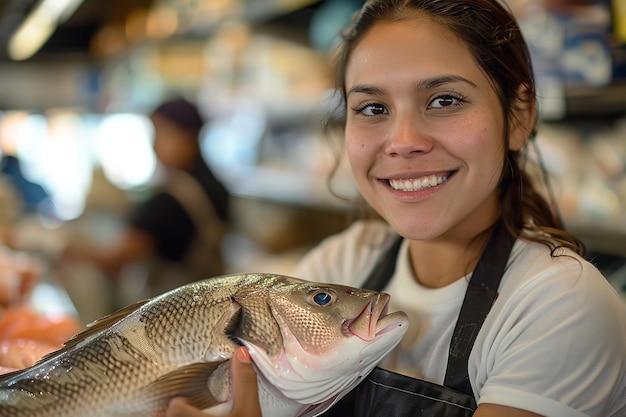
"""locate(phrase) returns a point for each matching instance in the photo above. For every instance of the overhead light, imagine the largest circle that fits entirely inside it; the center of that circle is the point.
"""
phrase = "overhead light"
(39, 26)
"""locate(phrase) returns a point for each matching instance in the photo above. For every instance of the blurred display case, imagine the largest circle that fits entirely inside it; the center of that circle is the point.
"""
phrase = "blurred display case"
(578, 49)
(261, 73)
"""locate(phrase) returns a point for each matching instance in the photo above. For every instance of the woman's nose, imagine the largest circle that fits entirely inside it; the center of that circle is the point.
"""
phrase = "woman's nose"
(407, 136)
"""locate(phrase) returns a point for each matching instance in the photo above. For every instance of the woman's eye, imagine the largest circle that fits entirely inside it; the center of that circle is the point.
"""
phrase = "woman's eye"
(371, 109)
(445, 101)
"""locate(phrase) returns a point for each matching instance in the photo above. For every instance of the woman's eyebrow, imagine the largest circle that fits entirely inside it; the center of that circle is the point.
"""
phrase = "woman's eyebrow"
(440, 80)
(426, 84)
(365, 89)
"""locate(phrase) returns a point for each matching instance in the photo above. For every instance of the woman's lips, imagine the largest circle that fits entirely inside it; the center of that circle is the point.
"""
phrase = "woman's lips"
(420, 183)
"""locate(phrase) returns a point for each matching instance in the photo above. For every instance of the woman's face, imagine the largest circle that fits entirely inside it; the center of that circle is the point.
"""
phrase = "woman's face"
(174, 147)
(424, 131)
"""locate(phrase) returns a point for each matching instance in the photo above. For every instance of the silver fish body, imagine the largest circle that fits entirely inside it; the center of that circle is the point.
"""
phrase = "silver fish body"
(310, 342)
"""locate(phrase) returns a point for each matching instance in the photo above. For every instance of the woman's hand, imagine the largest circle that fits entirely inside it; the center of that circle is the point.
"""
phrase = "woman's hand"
(245, 392)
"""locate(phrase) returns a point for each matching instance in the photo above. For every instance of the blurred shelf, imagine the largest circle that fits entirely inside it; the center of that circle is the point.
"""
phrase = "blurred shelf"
(601, 236)
(596, 102)
(203, 18)
(282, 187)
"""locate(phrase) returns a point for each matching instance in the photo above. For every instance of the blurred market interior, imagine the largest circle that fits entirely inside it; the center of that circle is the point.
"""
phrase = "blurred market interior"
(78, 76)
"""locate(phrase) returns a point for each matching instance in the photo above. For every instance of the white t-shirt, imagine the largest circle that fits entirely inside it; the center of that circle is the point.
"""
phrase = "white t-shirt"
(554, 342)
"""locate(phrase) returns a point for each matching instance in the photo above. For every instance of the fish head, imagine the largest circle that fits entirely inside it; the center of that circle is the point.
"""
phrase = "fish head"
(332, 336)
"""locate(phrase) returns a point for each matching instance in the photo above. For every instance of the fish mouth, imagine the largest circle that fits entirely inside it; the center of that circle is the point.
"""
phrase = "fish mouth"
(374, 320)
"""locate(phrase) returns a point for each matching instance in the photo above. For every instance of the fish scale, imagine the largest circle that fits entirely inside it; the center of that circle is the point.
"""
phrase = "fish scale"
(131, 363)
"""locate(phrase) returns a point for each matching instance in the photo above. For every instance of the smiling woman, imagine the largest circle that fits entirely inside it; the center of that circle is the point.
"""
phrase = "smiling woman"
(440, 103)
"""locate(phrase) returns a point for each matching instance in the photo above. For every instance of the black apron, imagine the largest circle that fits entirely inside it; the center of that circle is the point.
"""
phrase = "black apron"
(388, 394)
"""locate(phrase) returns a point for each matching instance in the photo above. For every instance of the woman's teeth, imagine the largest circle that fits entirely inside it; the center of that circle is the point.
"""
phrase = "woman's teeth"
(417, 183)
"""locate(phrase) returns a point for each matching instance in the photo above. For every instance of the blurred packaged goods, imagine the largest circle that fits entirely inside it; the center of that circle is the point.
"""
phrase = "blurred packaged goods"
(596, 192)
(30, 326)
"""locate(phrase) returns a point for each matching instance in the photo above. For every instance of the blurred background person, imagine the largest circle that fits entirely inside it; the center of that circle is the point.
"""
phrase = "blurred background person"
(20, 196)
(173, 236)
(31, 194)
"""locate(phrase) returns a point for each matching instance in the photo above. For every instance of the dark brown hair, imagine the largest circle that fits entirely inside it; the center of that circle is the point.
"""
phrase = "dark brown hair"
(183, 113)
(491, 33)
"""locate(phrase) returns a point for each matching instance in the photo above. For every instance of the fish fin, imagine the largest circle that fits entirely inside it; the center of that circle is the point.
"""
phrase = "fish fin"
(94, 328)
(189, 381)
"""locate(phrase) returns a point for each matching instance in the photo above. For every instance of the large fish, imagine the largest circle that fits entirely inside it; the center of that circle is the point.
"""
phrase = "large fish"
(310, 343)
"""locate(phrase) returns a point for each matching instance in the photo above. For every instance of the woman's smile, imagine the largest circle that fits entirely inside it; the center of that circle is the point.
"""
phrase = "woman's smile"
(419, 183)
(416, 188)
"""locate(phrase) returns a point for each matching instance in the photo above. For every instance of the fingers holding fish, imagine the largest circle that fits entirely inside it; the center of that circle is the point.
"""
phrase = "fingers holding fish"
(179, 407)
(245, 392)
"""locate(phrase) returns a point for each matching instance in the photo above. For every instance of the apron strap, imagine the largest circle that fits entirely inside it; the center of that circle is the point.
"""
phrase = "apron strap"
(479, 297)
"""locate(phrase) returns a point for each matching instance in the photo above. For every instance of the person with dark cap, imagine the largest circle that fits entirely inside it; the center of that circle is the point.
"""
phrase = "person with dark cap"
(177, 231)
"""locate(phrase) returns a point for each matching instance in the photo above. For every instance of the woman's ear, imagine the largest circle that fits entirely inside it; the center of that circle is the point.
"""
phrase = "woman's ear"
(523, 121)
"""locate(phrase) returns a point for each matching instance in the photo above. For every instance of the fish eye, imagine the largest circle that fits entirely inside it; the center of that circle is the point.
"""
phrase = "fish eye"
(322, 297)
